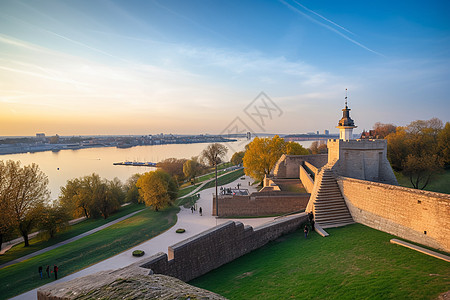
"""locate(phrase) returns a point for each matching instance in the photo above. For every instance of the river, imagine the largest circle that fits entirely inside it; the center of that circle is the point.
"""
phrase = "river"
(68, 164)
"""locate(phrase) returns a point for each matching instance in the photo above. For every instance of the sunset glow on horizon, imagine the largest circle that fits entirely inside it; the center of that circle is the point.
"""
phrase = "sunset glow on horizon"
(188, 67)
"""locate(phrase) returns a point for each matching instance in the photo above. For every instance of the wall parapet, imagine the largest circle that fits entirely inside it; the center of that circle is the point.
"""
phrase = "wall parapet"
(416, 215)
(212, 248)
(306, 180)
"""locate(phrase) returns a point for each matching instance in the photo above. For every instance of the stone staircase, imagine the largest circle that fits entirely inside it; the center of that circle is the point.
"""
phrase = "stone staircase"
(329, 206)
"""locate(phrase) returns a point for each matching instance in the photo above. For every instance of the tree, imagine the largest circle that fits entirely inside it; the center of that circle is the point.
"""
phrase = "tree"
(157, 189)
(237, 158)
(131, 190)
(191, 168)
(443, 141)
(293, 148)
(174, 167)
(54, 219)
(414, 150)
(213, 155)
(92, 196)
(318, 147)
(262, 155)
(6, 220)
(23, 194)
(383, 130)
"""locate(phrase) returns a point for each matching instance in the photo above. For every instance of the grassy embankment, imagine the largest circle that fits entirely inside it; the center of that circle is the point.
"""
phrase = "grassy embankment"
(225, 179)
(354, 262)
(21, 277)
(37, 243)
(440, 183)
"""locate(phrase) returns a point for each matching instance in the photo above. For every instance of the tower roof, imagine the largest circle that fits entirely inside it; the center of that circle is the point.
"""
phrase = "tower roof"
(346, 120)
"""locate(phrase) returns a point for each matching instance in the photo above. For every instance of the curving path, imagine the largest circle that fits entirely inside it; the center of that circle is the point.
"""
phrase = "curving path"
(68, 240)
(193, 223)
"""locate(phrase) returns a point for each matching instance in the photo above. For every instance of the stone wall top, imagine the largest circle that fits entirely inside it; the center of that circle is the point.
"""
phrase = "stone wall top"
(396, 187)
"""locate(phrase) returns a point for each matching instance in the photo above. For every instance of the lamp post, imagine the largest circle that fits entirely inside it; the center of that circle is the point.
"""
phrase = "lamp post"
(217, 196)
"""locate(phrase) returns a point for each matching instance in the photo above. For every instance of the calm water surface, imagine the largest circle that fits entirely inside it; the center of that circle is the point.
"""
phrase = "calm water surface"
(68, 164)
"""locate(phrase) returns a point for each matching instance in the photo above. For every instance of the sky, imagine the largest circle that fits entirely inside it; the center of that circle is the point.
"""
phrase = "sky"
(84, 67)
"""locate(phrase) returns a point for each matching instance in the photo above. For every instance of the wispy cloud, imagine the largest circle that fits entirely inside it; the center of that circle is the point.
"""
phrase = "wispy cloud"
(321, 23)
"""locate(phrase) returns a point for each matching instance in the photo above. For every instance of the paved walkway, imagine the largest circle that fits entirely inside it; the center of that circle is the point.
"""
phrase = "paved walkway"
(68, 240)
(193, 223)
(8, 245)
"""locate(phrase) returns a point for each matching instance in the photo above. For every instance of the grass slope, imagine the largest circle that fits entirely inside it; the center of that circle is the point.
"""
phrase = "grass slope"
(354, 262)
(21, 277)
(37, 243)
(440, 183)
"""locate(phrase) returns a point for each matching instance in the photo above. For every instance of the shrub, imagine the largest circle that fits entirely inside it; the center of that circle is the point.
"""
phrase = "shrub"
(138, 253)
(180, 230)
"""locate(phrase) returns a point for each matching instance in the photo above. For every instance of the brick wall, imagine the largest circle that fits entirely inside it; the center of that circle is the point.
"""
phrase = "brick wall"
(404, 212)
(210, 249)
(260, 204)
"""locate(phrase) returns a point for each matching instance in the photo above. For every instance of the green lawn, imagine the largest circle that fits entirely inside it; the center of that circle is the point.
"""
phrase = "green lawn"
(354, 262)
(440, 183)
(21, 277)
(37, 243)
(225, 179)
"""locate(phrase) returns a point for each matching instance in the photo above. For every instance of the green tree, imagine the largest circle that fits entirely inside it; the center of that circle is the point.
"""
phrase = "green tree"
(262, 155)
(131, 190)
(293, 148)
(23, 194)
(443, 141)
(92, 196)
(6, 213)
(191, 168)
(157, 189)
(414, 150)
(237, 158)
(54, 219)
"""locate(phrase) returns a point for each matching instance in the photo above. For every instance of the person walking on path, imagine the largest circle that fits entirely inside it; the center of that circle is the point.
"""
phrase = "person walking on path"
(48, 271)
(192, 209)
(200, 211)
(306, 231)
(40, 271)
(55, 270)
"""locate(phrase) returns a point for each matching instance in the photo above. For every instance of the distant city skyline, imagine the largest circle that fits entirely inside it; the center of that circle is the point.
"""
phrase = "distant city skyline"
(190, 67)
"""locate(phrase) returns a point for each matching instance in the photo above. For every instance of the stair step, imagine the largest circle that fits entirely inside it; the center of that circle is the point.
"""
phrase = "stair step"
(337, 224)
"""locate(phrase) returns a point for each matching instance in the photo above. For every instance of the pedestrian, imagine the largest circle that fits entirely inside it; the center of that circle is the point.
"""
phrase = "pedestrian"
(200, 211)
(55, 270)
(312, 225)
(310, 216)
(192, 209)
(306, 231)
(48, 271)
(40, 271)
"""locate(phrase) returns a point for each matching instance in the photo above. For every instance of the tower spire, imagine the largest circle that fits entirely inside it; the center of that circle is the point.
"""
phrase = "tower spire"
(345, 98)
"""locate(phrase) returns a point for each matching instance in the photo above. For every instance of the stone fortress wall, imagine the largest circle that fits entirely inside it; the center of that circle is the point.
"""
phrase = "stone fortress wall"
(215, 247)
(361, 159)
(288, 165)
(419, 216)
(260, 204)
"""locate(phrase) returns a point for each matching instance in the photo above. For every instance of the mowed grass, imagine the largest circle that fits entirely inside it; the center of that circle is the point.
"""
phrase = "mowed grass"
(440, 183)
(225, 179)
(354, 262)
(21, 277)
(37, 243)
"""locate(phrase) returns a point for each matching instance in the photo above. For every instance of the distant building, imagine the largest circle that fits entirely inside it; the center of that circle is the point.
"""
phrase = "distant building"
(326, 132)
(40, 135)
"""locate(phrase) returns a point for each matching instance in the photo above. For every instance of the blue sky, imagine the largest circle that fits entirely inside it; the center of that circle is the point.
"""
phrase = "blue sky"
(140, 67)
